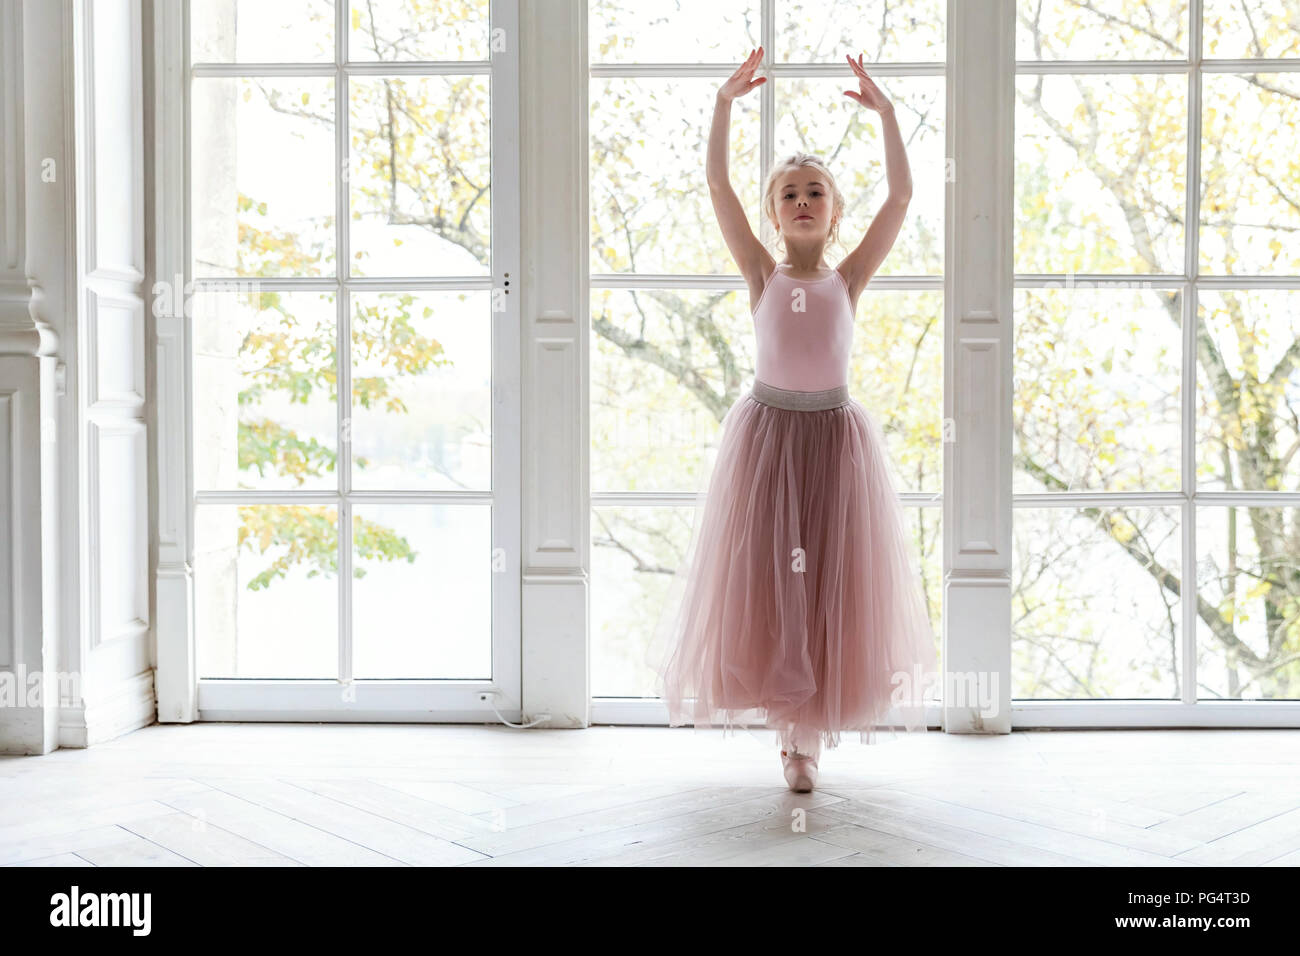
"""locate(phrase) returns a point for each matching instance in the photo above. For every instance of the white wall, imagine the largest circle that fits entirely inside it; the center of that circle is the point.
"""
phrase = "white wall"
(74, 604)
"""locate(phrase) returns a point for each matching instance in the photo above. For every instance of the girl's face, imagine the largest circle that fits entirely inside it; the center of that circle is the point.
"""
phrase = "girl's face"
(803, 204)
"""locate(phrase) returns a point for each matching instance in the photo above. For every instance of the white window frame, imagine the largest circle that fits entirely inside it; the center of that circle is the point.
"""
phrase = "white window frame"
(621, 710)
(1188, 711)
(978, 348)
(548, 152)
(182, 695)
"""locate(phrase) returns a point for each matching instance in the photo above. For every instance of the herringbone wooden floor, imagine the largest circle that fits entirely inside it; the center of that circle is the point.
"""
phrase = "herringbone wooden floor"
(373, 795)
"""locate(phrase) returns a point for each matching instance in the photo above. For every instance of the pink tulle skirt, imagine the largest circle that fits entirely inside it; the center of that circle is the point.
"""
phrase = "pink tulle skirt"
(798, 604)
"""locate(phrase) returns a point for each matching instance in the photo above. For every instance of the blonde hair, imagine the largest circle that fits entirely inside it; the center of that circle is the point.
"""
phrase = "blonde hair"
(799, 161)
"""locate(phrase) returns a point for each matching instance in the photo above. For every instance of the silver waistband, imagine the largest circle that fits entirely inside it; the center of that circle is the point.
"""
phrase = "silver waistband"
(800, 401)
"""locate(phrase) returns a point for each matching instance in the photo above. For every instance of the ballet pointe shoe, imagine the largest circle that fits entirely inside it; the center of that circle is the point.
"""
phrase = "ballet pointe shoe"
(800, 770)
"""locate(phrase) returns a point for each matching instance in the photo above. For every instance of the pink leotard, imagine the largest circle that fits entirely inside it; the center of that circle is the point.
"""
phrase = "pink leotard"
(804, 350)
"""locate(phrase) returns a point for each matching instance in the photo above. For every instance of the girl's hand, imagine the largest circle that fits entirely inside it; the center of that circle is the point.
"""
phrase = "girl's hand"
(742, 81)
(868, 94)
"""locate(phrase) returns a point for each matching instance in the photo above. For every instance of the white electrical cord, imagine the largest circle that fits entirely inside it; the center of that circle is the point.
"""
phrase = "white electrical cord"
(488, 695)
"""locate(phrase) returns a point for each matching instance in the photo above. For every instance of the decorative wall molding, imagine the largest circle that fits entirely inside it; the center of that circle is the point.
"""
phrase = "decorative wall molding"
(24, 328)
(90, 722)
(34, 197)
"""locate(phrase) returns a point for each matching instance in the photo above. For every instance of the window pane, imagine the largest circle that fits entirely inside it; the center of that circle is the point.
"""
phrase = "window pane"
(1236, 30)
(1098, 385)
(265, 387)
(1250, 197)
(422, 592)
(419, 175)
(266, 591)
(1248, 391)
(252, 216)
(1095, 611)
(650, 205)
(896, 372)
(672, 31)
(666, 366)
(815, 116)
(1100, 174)
(422, 391)
(817, 31)
(1248, 620)
(431, 30)
(1101, 30)
(634, 553)
(261, 31)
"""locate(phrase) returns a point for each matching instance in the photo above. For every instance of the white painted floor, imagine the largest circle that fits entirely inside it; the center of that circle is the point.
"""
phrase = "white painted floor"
(389, 795)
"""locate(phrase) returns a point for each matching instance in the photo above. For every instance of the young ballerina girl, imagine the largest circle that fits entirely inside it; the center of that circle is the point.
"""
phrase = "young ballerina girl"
(797, 596)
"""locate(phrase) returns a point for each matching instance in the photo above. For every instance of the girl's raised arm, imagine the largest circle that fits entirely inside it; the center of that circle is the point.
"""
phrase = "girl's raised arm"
(754, 261)
(861, 264)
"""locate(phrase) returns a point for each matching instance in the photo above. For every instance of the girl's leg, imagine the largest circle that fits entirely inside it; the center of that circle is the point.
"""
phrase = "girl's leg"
(800, 749)
(802, 741)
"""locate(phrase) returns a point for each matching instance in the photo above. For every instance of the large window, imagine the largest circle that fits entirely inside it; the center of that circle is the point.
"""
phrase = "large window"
(672, 341)
(1157, 397)
(351, 361)
(350, 233)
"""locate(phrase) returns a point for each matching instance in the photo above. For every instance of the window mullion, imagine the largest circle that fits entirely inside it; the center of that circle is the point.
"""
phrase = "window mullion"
(1191, 296)
(342, 324)
(766, 109)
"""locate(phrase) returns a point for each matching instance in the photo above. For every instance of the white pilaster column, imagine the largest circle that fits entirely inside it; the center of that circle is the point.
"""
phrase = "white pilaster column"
(977, 377)
(113, 642)
(553, 118)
